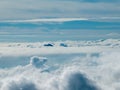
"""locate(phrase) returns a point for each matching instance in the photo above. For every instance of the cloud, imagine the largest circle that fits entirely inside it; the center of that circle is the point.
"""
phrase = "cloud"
(23, 49)
(30, 9)
(22, 84)
(113, 34)
(77, 81)
(51, 20)
(80, 73)
(38, 62)
(23, 78)
(47, 20)
(92, 1)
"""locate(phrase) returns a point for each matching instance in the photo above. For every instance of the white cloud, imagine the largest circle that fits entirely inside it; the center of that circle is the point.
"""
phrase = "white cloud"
(47, 20)
(23, 49)
(113, 34)
(81, 72)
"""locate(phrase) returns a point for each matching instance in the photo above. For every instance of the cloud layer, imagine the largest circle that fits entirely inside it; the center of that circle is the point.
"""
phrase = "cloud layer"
(30, 9)
(81, 69)
(65, 47)
(79, 73)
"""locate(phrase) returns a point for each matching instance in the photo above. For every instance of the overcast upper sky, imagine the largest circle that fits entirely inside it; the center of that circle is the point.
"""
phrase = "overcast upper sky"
(32, 9)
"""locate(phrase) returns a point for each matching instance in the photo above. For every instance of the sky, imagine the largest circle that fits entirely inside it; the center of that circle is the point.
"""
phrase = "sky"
(27, 27)
(32, 9)
(43, 20)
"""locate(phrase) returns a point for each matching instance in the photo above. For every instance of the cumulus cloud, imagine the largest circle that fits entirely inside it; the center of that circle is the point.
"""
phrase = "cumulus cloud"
(70, 80)
(38, 62)
(22, 84)
(30, 78)
(78, 81)
(81, 72)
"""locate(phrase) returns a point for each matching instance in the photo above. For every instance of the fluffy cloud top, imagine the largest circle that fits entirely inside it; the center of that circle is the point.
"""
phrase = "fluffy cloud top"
(79, 73)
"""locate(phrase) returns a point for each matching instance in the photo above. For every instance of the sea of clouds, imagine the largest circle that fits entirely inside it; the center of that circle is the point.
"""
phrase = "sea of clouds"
(89, 72)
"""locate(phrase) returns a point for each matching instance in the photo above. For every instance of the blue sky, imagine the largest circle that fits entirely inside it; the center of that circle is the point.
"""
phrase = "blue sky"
(23, 20)
(31, 9)
(55, 31)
